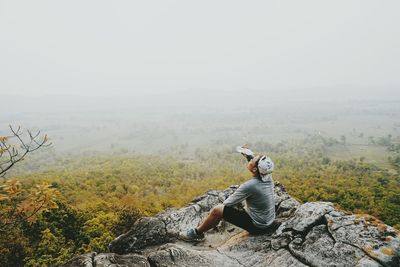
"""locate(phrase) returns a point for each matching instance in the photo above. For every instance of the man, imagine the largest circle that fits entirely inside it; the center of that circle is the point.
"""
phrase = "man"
(258, 192)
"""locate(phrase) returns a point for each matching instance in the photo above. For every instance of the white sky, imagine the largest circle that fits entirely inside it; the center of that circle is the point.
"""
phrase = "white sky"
(121, 47)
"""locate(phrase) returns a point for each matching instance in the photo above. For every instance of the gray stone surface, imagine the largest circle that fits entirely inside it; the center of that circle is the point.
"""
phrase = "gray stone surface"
(85, 260)
(306, 216)
(177, 255)
(108, 260)
(114, 260)
(319, 249)
(310, 234)
(378, 240)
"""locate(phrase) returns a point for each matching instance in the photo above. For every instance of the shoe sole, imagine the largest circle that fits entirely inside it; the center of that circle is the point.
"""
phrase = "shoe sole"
(191, 240)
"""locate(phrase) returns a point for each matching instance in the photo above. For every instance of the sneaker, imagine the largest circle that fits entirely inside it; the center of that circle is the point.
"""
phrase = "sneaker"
(192, 236)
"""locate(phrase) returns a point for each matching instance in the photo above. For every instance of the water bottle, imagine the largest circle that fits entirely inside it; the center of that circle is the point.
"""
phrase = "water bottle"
(245, 152)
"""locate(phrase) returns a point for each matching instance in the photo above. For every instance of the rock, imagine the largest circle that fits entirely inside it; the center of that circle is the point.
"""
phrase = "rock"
(108, 259)
(379, 241)
(85, 260)
(128, 260)
(176, 255)
(306, 216)
(310, 234)
(367, 262)
(145, 232)
(287, 207)
(319, 249)
(282, 258)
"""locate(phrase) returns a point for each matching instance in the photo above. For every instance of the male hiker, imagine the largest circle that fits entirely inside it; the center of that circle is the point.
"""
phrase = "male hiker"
(258, 192)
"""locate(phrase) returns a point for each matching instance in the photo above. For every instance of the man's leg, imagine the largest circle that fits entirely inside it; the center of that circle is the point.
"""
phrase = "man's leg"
(213, 218)
(241, 219)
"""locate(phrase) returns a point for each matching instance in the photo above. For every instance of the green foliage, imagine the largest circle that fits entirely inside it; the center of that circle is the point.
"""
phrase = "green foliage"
(385, 141)
(52, 250)
(14, 247)
(99, 230)
(20, 206)
(64, 220)
(395, 161)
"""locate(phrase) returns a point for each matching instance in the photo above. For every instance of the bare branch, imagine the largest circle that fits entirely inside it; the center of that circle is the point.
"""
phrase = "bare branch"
(31, 136)
(7, 148)
(14, 155)
(17, 134)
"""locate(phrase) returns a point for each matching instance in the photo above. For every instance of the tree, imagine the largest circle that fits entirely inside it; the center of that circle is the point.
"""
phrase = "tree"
(51, 250)
(15, 147)
(17, 204)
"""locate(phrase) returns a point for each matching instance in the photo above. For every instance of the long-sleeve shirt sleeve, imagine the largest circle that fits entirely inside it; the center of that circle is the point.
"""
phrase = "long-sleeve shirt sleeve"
(238, 196)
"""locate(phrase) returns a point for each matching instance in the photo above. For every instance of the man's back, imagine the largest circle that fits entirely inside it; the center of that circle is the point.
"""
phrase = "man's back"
(260, 201)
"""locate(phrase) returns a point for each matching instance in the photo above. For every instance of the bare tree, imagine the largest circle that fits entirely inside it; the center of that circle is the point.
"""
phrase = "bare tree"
(15, 147)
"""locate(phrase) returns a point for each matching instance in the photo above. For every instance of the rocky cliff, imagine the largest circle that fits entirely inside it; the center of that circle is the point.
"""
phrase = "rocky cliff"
(310, 234)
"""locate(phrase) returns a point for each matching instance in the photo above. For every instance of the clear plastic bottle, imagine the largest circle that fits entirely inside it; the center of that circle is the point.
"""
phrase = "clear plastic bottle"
(245, 152)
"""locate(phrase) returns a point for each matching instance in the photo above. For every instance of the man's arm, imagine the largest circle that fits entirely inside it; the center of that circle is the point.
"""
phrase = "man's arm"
(248, 157)
(240, 194)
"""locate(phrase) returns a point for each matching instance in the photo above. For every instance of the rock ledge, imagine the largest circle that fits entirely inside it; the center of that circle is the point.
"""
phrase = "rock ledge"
(309, 234)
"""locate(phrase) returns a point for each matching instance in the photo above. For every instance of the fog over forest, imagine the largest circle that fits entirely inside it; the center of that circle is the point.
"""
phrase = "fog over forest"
(145, 77)
(156, 122)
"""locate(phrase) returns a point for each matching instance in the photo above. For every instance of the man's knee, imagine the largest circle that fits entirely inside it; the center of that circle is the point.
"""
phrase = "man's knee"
(217, 211)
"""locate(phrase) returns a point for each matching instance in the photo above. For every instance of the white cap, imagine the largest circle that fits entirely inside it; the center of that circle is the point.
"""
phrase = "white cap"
(265, 167)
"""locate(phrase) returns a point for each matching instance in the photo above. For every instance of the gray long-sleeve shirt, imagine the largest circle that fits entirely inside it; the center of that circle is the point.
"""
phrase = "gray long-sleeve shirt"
(260, 201)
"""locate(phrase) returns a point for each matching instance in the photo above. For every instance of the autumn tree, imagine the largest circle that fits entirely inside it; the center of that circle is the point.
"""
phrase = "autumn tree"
(17, 204)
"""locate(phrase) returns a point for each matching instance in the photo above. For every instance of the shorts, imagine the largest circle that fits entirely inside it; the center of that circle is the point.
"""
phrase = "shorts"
(241, 219)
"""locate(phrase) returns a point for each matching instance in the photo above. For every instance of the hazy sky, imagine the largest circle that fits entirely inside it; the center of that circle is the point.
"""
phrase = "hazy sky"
(119, 47)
